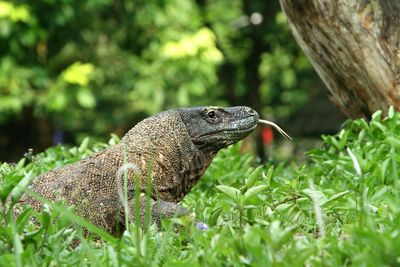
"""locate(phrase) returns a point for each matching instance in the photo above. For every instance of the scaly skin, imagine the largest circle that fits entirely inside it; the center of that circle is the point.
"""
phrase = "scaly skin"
(174, 147)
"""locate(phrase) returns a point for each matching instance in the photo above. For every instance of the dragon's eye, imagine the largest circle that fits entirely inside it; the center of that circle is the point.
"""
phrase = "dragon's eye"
(211, 114)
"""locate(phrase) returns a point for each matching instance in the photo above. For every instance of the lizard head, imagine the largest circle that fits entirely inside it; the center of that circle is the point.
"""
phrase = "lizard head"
(213, 128)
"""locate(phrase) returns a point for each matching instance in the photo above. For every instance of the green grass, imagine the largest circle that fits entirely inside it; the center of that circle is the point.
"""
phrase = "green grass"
(340, 208)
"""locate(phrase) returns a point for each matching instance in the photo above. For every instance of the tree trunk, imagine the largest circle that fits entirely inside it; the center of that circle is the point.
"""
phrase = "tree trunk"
(354, 45)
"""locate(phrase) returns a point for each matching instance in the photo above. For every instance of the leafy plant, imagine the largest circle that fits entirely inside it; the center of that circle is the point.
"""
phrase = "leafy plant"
(340, 208)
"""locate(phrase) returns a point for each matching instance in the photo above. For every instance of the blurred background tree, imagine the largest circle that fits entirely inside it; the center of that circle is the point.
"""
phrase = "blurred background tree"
(71, 68)
(354, 47)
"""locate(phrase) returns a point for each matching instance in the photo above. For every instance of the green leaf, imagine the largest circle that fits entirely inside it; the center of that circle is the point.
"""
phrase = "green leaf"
(231, 192)
(44, 219)
(23, 219)
(251, 192)
(113, 140)
(343, 135)
(268, 177)
(315, 195)
(19, 190)
(8, 260)
(392, 141)
(9, 182)
(212, 220)
(78, 73)
(253, 177)
(335, 197)
(379, 125)
(391, 112)
(380, 193)
(84, 145)
(86, 98)
(20, 164)
(377, 116)
(17, 246)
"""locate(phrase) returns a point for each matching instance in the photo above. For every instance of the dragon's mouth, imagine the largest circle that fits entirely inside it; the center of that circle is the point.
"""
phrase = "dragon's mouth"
(242, 129)
(239, 131)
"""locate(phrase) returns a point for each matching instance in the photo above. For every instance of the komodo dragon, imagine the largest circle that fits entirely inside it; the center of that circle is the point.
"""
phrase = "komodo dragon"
(179, 144)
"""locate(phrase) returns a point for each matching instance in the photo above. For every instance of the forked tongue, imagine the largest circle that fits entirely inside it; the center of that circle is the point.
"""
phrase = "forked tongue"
(279, 129)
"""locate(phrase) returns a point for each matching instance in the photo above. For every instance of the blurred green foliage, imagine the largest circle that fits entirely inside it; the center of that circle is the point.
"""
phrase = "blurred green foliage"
(89, 67)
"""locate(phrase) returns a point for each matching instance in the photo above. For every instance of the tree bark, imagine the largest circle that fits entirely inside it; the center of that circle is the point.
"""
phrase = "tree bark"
(354, 45)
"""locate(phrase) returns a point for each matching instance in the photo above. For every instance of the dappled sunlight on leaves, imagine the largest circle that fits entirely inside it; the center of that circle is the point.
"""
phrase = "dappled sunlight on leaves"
(78, 73)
